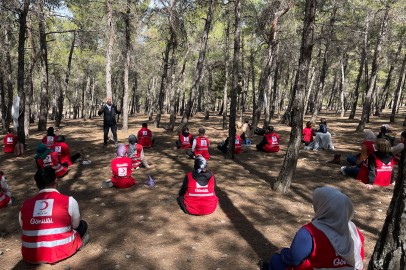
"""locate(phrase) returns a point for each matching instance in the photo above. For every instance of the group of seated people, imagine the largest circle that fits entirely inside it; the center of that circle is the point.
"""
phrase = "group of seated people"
(375, 164)
(322, 141)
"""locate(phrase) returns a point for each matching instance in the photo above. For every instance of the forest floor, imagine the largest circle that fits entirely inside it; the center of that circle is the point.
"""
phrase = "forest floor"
(144, 228)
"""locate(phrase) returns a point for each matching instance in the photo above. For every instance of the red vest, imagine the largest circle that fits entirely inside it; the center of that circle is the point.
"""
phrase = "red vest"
(49, 141)
(185, 141)
(200, 200)
(383, 172)
(238, 147)
(308, 134)
(10, 142)
(273, 143)
(324, 255)
(136, 158)
(47, 232)
(4, 199)
(144, 137)
(202, 147)
(398, 156)
(52, 160)
(121, 168)
(63, 152)
(363, 171)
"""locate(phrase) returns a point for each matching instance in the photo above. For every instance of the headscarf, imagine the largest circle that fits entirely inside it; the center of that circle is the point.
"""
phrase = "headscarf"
(200, 164)
(121, 150)
(369, 136)
(60, 138)
(42, 151)
(385, 127)
(50, 131)
(333, 214)
(403, 134)
(132, 140)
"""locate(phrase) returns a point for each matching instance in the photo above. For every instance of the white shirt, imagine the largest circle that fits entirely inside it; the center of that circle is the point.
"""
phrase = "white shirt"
(73, 209)
(4, 187)
(194, 145)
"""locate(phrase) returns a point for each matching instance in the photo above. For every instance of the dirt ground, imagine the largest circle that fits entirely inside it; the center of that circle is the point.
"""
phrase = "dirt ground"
(144, 228)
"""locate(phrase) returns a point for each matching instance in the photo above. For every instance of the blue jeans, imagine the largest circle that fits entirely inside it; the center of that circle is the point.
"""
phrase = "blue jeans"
(353, 172)
(276, 263)
(352, 160)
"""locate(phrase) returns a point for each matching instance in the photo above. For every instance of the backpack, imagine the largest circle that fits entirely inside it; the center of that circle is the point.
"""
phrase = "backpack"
(259, 131)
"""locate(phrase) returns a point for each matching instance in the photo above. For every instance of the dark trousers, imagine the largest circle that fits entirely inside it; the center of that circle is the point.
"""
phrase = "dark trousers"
(106, 132)
(243, 139)
(178, 144)
(222, 148)
(306, 143)
(190, 153)
(82, 229)
(74, 157)
(182, 204)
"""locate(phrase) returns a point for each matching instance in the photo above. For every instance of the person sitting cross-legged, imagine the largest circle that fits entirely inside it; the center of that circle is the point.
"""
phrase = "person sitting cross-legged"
(330, 241)
(51, 227)
(10, 141)
(49, 158)
(223, 146)
(197, 196)
(200, 146)
(121, 169)
(50, 139)
(5, 194)
(145, 137)
(136, 153)
(185, 139)
(63, 151)
(270, 141)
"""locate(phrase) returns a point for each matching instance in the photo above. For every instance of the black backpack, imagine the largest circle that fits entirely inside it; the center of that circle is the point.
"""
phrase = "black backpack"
(259, 131)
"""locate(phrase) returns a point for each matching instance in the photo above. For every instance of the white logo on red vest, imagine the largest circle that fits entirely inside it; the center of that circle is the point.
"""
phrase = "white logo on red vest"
(50, 139)
(43, 208)
(186, 139)
(41, 221)
(48, 159)
(203, 142)
(122, 171)
(338, 261)
(58, 149)
(274, 139)
(237, 141)
(144, 133)
(10, 139)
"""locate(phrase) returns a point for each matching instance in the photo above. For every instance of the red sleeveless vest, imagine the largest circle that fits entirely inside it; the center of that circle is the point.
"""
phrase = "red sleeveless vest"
(52, 161)
(10, 142)
(136, 158)
(4, 199)
(398, 156)
(144, 137)
(202, 147)
(121, 168)
(63, 152)
(238, 147)
(363, 171)
(49, 141)
(47, 232)
(383, 172)
(324, 255)
(185, 141)
(200, 200)
(273, 143)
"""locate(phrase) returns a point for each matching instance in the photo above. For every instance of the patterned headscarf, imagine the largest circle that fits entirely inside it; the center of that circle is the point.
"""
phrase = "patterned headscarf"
(132, 141)
(121, 150)
(200, 164)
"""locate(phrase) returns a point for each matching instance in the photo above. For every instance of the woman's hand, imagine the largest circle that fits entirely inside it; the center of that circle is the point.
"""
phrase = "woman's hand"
(368, 186)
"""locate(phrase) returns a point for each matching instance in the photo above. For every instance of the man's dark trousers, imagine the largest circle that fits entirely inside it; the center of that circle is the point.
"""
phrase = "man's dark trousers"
(106, 132)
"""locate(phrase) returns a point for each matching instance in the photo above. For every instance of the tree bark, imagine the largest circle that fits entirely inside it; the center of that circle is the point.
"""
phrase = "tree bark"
(226, 63)
(42, 123)
(374, 72)
(289, 164)
(357, 83)
(126, 69)
(254, 105)
(30, 82)
(309, 91)
(109, 50)
(398, 91)
(344, 63)
(199, 66)
(8, 74)
(318, 104)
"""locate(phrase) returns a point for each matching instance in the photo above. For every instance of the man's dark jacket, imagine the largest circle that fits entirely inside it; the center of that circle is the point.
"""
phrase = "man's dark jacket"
(109, 115)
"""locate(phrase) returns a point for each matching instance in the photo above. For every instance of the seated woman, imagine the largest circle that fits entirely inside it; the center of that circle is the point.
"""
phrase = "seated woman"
(136, 153)
(47, 157)
(63, 151)
(307, 135)
(5, 194)
(246, 131)
(397, 150)
(197, 196)
(322, 141)
(383, 134)
(50, 139)
(223, 146)
(378, 169)
(10, 141)
(367, 147)
(185, 139)
(330, 241)
(270, 142)
(121, 168)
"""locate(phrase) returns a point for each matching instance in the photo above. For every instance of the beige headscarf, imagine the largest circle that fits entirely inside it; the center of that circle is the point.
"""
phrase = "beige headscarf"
(369, 136)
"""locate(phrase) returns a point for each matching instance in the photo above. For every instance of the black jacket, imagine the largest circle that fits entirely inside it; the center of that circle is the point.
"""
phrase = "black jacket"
(383, 135)
(202, 179)
(109, 115)
(385, 158)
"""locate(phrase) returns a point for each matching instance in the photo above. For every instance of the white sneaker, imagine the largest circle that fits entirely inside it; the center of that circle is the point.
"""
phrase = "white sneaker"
(342, 170)
(86, 161)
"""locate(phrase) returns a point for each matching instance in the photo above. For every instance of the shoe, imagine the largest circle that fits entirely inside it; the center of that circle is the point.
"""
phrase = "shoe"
(336, 159)
(342, 170)
(85, 240)
(104, 145)
(115, 144)
(86, 161)
(107, 184)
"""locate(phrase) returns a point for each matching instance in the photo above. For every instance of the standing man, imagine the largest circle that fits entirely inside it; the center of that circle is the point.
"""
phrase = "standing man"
(109, 121)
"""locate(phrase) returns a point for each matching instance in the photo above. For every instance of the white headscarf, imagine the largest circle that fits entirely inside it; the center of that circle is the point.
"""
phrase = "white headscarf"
(369, 136)
(333, 214)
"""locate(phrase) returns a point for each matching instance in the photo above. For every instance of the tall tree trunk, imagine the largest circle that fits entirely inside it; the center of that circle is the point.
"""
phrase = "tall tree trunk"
(254, 104)
(333, 93)
(267, 118)
(309, 91)
(126, 69)
(356, 90)
(64, 88)
(8, 73)
(398, 91)
(207, 96)
(199, 66)
(3, 100)
(318, 104)
(152, 100)
(374, 72)
(109, 50)
(86, 98)
(226, 63)
(389, 251)
(275, 85)
(344, 63)
(289, 164)
(42, 123)
(20, 74)
(234, 90)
